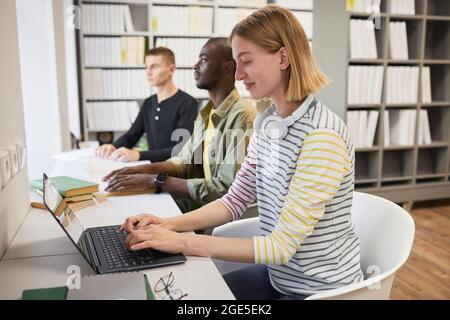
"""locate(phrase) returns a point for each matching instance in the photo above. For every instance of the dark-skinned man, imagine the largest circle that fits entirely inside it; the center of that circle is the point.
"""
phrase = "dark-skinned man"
(206, 165)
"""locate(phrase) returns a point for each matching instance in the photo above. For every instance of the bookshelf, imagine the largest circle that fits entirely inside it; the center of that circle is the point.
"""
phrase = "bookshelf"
(153, 24)
(401, 173)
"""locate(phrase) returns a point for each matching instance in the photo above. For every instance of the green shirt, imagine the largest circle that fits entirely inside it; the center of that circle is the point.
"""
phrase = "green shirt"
(233, 122)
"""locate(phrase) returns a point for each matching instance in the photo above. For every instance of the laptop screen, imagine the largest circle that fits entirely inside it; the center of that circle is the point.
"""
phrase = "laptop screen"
(61, 211)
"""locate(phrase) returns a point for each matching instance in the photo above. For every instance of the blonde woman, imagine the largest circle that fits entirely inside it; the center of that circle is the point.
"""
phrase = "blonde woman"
(299, 168)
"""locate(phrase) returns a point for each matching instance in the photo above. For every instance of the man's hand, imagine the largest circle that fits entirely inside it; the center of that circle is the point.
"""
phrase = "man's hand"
(157, 237)
(124, 154)
(142, 169)
(105, 150)
(133, 182)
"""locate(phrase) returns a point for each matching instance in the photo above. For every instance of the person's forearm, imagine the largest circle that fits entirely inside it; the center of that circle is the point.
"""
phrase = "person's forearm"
(177, 187)
(211, 215)
(155, 155)
(231, 249)
(164, 166)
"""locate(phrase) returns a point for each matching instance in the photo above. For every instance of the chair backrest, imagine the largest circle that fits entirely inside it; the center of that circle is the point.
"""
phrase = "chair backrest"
(385, 231)
(386, 234)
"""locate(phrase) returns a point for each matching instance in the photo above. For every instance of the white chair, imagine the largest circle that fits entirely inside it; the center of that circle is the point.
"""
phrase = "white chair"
(386, 234)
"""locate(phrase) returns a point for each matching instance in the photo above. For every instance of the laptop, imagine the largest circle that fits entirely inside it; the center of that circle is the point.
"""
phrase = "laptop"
(103, 247)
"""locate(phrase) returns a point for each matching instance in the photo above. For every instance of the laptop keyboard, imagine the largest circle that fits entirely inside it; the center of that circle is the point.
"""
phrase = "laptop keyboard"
(112, 241)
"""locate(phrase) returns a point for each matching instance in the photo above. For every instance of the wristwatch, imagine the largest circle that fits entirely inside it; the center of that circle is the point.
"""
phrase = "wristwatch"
(159, 181)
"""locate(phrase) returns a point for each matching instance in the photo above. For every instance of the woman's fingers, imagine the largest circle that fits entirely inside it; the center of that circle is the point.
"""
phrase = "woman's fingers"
(140, 221)
(130, 222)
(137, 236)
(148, 244)
(148, 220)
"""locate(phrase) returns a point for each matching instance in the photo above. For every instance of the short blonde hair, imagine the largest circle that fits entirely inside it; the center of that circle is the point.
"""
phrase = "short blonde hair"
(164, 52)
(274, 27)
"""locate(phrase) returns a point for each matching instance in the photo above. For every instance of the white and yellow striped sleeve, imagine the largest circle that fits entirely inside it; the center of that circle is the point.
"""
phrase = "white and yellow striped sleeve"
(322, 164)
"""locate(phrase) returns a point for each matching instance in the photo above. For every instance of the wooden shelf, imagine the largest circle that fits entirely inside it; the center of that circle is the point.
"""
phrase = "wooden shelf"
(394, 148)
(396, 179)
(113, 99)
(182, 35)
(438, 18)
(142, 15)
(184, 3)
(118, 34)
(115, 67)
(363, 106)
(400, 173)
(131, 2)
(436, 61)
(366, 61)
(366, 15)
(406, 17)
(436, 104)
(431, 176)
(371, 149)
(434, 144)
(404, 62)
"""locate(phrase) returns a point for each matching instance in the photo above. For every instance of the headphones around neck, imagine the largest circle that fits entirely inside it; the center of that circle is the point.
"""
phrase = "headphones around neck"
(275, 127)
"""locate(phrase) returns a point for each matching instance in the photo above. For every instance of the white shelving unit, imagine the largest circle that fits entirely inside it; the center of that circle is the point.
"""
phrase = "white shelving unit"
(147, 25)
(408, 172)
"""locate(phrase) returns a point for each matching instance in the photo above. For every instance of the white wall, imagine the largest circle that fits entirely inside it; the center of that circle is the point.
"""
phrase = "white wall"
(71, 69)
(46, 122)
(14, 199)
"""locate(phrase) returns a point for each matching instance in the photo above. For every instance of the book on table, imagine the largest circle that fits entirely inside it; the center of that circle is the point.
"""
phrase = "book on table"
(68, 186)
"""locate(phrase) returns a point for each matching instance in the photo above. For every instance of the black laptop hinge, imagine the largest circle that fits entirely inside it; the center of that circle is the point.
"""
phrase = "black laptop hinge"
(91, 249)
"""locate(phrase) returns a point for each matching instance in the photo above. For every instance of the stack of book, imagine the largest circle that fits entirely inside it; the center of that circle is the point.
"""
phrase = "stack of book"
(424, 128)
(78, 194)
(426, 85)
(111, 116)
(116, 84)
(296, 4)
(227, 18)
(365, 84)
(362, 126)
(403, 7)
(189, 19)
(249, 3)
(363, 44)
(186, 50)
(364, 6)
(398, 41)
(399, 126)
(184, 79)
(107, 18)
(114, 51)
(402, 85)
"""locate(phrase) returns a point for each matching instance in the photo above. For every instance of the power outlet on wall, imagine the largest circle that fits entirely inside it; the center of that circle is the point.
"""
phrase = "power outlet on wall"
(13, 159)
(22, 154)
(5, 167)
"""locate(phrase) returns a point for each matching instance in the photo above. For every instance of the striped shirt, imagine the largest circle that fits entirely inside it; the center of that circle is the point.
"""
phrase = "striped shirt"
(304, 185)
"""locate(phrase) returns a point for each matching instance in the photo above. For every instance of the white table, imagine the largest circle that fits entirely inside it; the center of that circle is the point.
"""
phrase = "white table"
(40, 252)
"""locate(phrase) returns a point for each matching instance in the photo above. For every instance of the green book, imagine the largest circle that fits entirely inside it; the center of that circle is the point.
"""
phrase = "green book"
(60, 293)
(67, 186)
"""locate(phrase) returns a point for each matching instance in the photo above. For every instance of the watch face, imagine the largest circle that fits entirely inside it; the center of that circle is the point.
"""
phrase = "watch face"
(161, 178)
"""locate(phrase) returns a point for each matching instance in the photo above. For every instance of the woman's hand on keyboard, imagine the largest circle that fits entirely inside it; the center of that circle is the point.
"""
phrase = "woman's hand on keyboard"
(140, 222)
(157, 237)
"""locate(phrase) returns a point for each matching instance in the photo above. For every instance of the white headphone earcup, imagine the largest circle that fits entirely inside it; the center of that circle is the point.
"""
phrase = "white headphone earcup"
(274, 127)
